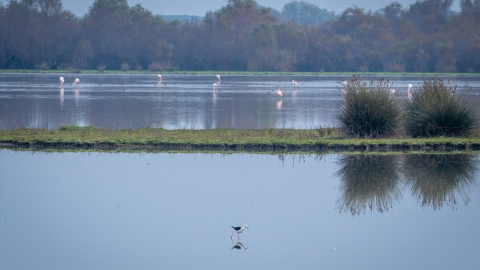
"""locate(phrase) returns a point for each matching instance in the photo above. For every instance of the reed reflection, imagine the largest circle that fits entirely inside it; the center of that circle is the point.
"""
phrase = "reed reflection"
(437, 179)
(368, 182)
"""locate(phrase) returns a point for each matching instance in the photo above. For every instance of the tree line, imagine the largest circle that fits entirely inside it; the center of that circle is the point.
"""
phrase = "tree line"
(427, 36)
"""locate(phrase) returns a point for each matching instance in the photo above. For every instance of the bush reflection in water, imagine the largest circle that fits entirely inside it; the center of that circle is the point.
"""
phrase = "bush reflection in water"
(436, 179)
(375, 182)
(368, 182)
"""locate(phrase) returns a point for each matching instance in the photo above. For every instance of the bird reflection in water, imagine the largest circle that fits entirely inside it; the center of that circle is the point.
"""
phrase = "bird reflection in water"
(76, 93)
(239, 245)
(214, 94)
(62, 92)
(294, 96)
(279, 104)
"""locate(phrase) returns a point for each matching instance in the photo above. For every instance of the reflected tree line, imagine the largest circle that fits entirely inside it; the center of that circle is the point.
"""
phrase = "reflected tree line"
(375, 182)
(427, 36)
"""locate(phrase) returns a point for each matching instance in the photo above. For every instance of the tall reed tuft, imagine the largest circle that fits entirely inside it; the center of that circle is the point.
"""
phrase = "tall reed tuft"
(369, 109)
(436, 109)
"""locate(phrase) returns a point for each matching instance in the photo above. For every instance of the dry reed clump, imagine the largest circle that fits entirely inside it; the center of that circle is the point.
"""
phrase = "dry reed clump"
(436, 109)
(369, 109)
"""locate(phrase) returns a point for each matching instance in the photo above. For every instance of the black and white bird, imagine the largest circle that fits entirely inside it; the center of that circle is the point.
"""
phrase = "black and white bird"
(239, 230)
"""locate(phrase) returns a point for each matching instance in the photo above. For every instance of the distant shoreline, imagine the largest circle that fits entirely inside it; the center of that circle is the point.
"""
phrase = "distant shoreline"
(279, 73)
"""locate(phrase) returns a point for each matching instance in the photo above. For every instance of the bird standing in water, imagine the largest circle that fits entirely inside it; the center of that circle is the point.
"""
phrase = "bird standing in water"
(409, 91)
(279, 93)
(239, 230)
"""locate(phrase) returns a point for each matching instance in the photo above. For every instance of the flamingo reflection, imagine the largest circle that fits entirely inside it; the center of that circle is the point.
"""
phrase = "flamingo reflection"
(62, 92)
(279, 104)
(214, 94)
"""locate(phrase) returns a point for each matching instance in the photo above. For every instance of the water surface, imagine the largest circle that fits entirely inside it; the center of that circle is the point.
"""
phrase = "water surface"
(181, 101)
(174, 211)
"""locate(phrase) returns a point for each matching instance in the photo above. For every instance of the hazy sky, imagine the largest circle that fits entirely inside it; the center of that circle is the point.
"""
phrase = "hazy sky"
(200, 7)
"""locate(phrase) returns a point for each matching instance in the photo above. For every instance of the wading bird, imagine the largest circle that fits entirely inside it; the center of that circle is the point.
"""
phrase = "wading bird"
(159, 76)
(61, 81)
(77, 81)
(294, 83)
(218, 78)
(279, 93)
(239, 230)
(409, 91)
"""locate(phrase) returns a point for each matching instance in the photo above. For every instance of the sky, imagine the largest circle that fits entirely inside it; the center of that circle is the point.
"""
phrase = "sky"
(200, 7)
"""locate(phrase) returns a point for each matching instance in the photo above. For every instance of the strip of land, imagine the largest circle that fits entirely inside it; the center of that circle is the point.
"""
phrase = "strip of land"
(73, 138)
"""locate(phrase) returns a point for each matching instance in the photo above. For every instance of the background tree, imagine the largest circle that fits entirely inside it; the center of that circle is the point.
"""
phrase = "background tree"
(427, 36)
(306, 13)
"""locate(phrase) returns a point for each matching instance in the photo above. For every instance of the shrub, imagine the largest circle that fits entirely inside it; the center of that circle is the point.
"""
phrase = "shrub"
(436, 109)
(101, 67)
(368, 109)
(164, 66)
(125, 66)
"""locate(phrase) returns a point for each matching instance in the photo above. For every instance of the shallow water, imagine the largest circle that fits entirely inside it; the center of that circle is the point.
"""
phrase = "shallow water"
(174, 211)
(181, 101)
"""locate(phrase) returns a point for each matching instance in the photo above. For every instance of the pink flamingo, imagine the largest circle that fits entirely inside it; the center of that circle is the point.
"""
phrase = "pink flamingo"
(279, 93)
(77, 81)
(294, 83)
(159, 76)
(218, 78)
(61, 81)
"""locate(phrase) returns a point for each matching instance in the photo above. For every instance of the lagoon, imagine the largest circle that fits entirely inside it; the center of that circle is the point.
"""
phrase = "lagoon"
(174, 211)
(184, 101)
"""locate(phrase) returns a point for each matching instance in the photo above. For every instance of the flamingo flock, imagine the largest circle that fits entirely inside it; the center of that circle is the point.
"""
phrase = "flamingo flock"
(278, 91)
(62, 80)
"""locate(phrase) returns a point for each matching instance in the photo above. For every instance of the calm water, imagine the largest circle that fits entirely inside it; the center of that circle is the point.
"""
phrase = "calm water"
(174, 211)
(180, 101)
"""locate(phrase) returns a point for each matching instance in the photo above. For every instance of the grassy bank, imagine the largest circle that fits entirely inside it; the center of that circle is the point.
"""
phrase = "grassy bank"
(221, 140)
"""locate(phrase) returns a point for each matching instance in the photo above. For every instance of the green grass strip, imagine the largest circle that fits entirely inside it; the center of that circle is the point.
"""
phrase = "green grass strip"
(221, 140)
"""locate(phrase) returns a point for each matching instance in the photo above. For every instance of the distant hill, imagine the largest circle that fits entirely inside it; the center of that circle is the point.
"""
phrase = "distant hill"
(182, 17)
